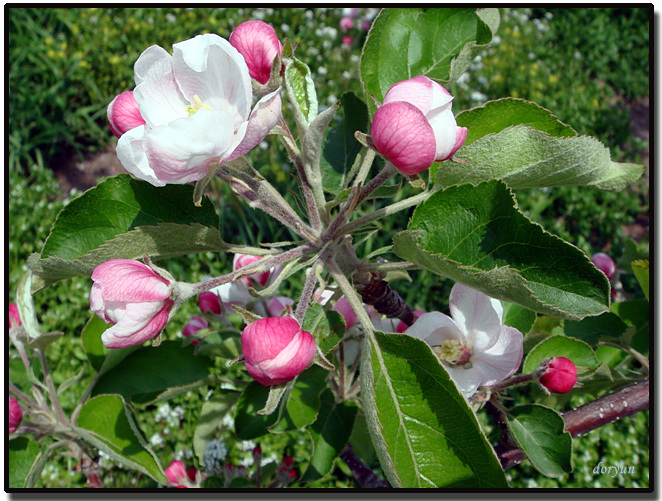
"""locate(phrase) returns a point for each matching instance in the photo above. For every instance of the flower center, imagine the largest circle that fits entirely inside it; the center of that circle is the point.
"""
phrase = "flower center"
(192, 109)
(453, 352)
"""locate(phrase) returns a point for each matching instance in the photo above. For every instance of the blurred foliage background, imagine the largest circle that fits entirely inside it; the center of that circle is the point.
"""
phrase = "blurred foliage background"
(589, 66)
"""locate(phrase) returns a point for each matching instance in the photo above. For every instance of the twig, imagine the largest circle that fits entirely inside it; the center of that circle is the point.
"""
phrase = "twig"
(363, 475)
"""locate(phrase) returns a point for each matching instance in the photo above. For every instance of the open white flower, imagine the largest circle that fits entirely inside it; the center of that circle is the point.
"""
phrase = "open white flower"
(196, 104)
(474, 345)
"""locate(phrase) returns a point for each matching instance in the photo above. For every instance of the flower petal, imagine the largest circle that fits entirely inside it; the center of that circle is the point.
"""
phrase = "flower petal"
(132, 156)
(141, 321)
(158, 96)
(467, 380)
(502, 360)
(181, 151)
(445, 132)
(478, 315)
(130, 281)
(233, 293)
(434, 328)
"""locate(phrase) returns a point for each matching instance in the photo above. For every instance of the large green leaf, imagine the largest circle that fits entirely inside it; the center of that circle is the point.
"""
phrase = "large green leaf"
(124, 218)
(438, 43)
(540, 432)
(606, 327)
(329, 433)
(525, 157)
(106, 423)
(476, 235)
(248, 423)
(581, 354)
(424, 431)
(154, 369)
(22, 455)
(302, 403)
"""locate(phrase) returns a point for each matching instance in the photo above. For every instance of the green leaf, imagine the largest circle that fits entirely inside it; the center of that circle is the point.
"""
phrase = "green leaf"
(154, 369)
(640, 268)
(329, 433)
(594, 329)
(495, 116)
(210, 420)
(341, 148)
(98, 226)
(424, 431)
(25, 305)
(540, 432)
(300, 89)
(437, 43)
(106, 423)
(248, 423)
(92, 344)
(524, 157)
(303, 401)
(23, 453)
(476, 235)
(328, 328)
(581, 354)
(636, 314)
(518, 317)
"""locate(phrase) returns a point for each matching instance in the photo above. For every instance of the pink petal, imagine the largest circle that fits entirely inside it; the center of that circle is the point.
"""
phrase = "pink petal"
(434, 328)
(266, 338)
(123, 114)
(402, 134)
(478, 315)
(141, 321)
(416, 91)
(130, 281)
(258, 43)
(460, 138)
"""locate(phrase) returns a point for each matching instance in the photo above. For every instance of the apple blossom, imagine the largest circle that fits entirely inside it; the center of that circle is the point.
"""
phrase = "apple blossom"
(196, 104)
(347, 40)
(346, 23)
(258, 43)
(415, 125)
(15, 415)
(194, 325)
(14, 315)
(124, 114)
(276, 349)
(604, 263)
(403, 326)
(560, 375)
(180, 477)
(134, 298)
(472, 344)
(210, 302)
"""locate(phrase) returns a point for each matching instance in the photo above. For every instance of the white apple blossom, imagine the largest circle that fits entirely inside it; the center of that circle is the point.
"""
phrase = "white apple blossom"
(474, 345)
(196, 104)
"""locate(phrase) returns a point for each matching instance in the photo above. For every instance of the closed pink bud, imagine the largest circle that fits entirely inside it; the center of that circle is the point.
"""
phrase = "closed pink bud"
(560, 375)
(347, 40)
(346, 23)
(14, 318)
(403, 326)
(415, 125)
(133, 298)
(15, 415)
(241, 260)
(210, 302)
(123, 113)
(276, 349)
(194, 325)
(604, 263)
(258, 43)
(176, 474)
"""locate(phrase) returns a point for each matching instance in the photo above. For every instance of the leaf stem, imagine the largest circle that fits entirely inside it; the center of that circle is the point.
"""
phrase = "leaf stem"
(307, 292)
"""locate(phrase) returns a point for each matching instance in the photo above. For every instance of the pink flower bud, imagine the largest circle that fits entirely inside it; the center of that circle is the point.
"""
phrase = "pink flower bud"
(560, 375)
(347, 40)
(123, 113)
(288, 461)
(241, 260)
(415, 125)
(179, 476)
(14, 317)
(258, 43)
(604, 263)
(15, 415)
(403, 326)
(366, 24)
(346, 23)
(208, 301)
(132, 297)
(193, 326)
(276, 349)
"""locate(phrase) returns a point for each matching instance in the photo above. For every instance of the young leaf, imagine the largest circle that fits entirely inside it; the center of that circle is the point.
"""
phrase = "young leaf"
(424, 431)
(476, 235)
(539, 432)
(519, 317)
(524, 157)
(105, 423)
(23, 452)
(581, 354)
(329, 433)
(94, 349)
(408, 42)
(149, 370)
(300, 89)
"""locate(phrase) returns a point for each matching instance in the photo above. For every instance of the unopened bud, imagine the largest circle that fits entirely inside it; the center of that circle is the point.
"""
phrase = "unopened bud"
(559, 376)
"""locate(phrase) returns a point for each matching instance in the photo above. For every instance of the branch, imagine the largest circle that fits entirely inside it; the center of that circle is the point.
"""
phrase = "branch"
(622, 403)
(363, 475)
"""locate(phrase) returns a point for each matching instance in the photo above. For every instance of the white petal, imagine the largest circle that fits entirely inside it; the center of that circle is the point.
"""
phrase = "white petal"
(132, 155)
(502, 360)
(467, 380)
(135, 317)
(434, 328)
(209, 67)
(478, 315)
(181, 151)
(445, 131)
(233, 293)
(157, 94)
(385, 324)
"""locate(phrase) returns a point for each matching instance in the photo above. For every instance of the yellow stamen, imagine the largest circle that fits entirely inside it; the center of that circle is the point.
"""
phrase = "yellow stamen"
(192, 109)
(452, 351)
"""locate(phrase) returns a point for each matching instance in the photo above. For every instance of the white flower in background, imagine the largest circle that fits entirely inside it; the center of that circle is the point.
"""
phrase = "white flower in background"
(196, 104)
(474, 345)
